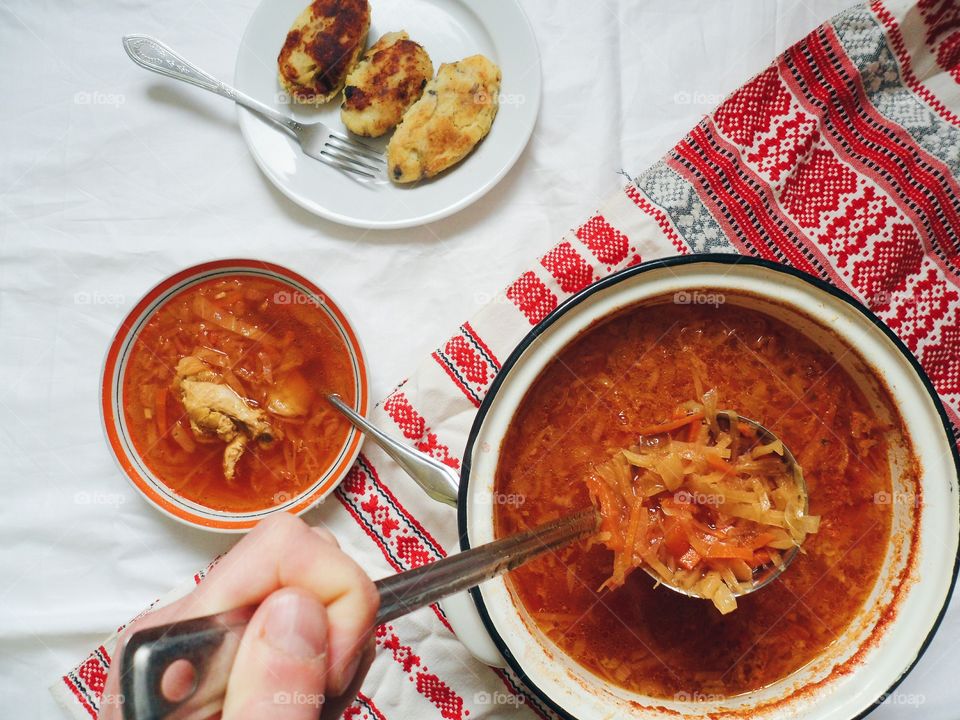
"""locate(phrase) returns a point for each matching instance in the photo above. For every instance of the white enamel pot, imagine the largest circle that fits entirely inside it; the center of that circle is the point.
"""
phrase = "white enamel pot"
(905, 607)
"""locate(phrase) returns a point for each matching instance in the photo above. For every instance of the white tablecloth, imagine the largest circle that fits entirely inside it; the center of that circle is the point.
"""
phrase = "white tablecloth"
(112, 178)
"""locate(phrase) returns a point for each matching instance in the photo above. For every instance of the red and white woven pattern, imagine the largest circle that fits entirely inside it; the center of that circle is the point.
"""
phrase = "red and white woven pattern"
(840, 159)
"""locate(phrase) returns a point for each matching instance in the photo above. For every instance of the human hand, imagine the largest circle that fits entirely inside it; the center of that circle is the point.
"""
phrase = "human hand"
(310, 639)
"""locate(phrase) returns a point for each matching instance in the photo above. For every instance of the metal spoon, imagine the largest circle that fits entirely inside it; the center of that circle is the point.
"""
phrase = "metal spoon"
(210, 643)
(437, 480)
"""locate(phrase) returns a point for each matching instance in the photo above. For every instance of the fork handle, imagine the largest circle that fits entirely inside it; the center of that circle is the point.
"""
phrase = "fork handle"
(150, 53)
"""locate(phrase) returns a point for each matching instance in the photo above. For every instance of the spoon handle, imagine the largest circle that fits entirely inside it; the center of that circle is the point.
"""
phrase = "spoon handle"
(210, 643)
(437, 480)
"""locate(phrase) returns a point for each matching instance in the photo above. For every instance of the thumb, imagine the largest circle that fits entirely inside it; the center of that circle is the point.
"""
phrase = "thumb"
(281, 664)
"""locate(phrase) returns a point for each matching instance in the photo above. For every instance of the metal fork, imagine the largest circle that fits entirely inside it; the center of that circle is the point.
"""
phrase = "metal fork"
(362, 162)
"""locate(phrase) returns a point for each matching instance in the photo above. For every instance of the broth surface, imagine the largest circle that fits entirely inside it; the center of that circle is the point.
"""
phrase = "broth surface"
(633, 370)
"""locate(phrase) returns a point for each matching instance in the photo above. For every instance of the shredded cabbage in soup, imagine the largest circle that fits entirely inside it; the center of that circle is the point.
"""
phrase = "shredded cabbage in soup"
(704, 509)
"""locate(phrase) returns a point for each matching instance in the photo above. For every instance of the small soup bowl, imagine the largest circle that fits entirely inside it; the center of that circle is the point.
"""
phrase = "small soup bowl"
(152, 487)
(904, 608)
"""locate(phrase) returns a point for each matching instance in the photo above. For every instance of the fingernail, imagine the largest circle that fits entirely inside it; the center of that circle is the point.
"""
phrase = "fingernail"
(294, 626)
(350, 670)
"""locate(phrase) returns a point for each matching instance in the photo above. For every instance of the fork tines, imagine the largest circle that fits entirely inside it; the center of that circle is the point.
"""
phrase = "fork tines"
(353, 157)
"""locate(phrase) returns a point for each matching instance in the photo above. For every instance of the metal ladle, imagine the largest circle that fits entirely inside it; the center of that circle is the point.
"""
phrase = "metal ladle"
(765, 574)
(210, 643)
(442, 484)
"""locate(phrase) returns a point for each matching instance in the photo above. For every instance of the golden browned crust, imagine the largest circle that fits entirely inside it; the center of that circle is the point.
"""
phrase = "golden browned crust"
(388, 80)
(454, 114)
(322, 47)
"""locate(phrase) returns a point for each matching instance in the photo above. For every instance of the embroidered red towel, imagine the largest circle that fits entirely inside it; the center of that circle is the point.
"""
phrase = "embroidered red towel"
(839, 159)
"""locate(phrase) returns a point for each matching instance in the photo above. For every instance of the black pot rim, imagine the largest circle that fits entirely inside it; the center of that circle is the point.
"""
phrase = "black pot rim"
(620, 276)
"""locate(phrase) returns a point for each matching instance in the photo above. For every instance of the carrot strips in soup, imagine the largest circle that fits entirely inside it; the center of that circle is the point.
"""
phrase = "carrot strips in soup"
(685, 505)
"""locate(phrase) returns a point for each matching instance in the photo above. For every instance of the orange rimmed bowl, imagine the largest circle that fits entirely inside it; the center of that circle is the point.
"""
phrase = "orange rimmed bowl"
(152, 487)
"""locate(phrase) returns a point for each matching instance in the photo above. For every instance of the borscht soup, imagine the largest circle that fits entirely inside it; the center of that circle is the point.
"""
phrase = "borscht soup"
(224, 392)
(654, 367)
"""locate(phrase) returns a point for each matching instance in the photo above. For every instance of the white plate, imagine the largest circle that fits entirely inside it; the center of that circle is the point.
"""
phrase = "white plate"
(449, 30)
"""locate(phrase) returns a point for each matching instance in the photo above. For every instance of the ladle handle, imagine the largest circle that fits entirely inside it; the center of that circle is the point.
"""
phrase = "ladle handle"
(210, 643)
(425, 585)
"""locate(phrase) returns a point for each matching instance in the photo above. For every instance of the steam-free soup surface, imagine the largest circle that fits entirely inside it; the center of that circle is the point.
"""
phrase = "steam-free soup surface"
(633, 370)
(278, 354)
